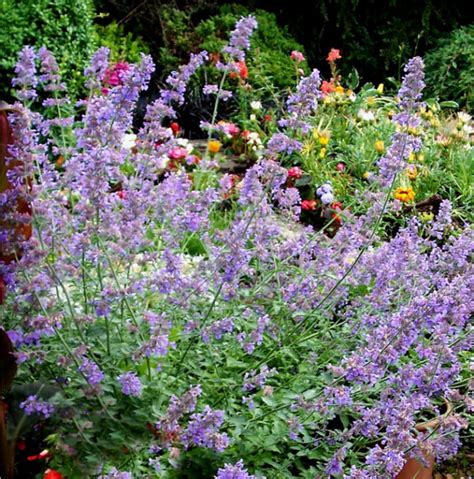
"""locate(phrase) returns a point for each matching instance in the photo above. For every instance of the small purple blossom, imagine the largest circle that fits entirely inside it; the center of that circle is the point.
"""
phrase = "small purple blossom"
(240, 38)
(234, 471)
(91, 372)
(33, 405)
(130, 383)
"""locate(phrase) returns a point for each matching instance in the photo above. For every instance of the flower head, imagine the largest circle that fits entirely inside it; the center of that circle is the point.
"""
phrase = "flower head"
(333, 55)
(297, 56)
(405, 195)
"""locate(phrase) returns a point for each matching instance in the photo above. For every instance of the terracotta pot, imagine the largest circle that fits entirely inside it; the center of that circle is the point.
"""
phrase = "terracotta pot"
(414, 469)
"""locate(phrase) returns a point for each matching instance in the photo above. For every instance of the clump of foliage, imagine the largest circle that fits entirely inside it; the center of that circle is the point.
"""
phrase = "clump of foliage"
(450, 67)
(123, 45)
(66, 28)
(267, 60)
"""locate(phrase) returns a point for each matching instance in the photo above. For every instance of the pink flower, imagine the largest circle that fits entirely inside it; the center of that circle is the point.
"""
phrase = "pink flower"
(334, 55)
(295, 172)
(178, 153)
(297, 56)
(340, 166)
(233, 129)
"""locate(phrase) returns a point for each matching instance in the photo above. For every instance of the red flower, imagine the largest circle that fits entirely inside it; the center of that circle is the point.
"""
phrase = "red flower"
(267, 118)
(241, 68)
(334, 55)
(295, 172)
(52, 474)
(175, 127)
(21, 445)
(327, 87)
(121, 194)
(308, 205)
(245, 134)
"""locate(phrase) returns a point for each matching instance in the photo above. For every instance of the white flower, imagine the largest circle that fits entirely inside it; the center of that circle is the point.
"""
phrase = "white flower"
(464, 117)
(129, 140)
(162, 162)
(365, 115)
(253, 117)
(256, 105)
(184, 143)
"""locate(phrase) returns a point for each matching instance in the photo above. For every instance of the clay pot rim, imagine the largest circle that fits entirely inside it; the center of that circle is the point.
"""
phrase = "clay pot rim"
(434, 423)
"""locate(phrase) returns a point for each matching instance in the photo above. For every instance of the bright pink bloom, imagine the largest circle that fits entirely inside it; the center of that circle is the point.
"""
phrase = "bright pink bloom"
(295, 172)
(178, 153)
(340, 166)
(297, 56)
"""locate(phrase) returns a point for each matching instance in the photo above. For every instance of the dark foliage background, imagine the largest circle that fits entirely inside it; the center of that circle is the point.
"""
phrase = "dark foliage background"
(375, 37)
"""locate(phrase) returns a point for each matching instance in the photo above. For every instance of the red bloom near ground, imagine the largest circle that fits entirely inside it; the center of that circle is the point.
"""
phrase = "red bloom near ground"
(52, 474)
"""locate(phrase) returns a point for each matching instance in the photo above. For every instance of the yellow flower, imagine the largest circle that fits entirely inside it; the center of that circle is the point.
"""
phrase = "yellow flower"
(426, 217)
(324, 139)
(414, 131)
(405, 195)
(379, 146)
(322, 153)
(349, 92)
(307, 149)
(420, 157)
(366, 175)
(412, 172)
(380, 88)
(371, 100)
(411, 157)
(214, 146)
(340, 90)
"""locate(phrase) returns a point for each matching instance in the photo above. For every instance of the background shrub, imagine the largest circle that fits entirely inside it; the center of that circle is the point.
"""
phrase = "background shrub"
(450, 67)
(64, 27)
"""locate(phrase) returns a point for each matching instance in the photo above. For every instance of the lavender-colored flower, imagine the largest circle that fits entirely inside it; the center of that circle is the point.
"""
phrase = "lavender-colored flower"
(210, 89)
(91, 372)
(130, 383)
(95, 72)
(114, 473)
(303, 103)
(178, 80)
(281, 143)
(203, 430)
(234, 471)
(50, 77)
(253, 381)
(404, 142)
(33, 405)
(240, 38)
(25, 71)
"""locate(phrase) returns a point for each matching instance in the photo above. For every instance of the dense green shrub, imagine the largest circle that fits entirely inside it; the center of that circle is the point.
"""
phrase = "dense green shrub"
(450, 67)
(268, 59)
(64, 27)
(123, 45)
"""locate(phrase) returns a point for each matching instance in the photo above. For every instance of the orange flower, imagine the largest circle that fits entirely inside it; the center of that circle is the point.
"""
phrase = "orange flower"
(334, 55)
(405, 195)
(214, 146)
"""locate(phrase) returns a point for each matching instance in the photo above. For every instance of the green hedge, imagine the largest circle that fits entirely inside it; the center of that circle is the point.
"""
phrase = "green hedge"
(63, 26)
(450, 68)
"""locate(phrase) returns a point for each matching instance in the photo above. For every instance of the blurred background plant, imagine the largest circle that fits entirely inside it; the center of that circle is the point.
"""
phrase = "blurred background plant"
(450, 67)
